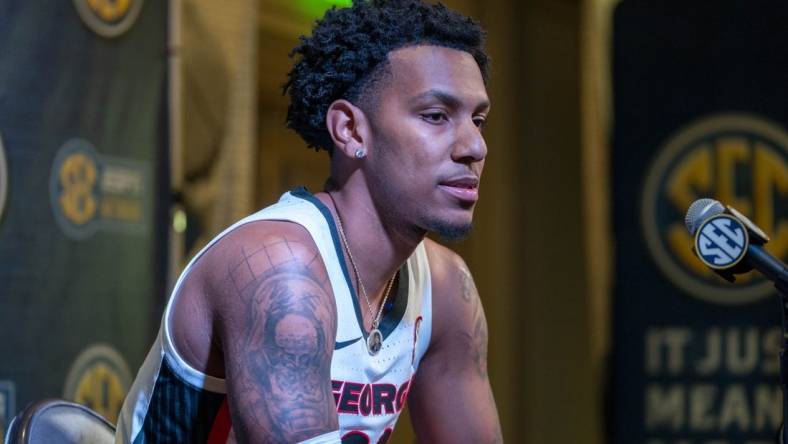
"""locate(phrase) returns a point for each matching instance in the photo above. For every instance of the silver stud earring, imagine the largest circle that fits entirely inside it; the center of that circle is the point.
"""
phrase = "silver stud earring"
(360, 153)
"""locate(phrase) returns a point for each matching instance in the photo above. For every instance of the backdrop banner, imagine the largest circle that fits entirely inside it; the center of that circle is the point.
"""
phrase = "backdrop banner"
(700, 111)
(83, 206)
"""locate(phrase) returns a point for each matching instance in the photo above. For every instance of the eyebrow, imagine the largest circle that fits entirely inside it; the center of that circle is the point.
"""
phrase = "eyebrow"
(447, 98)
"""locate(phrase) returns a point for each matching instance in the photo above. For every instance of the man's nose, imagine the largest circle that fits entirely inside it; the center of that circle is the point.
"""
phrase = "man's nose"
(470, 145)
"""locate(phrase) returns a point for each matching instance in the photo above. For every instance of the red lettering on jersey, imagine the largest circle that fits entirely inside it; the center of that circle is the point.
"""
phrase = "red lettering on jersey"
(384, 396)
(369, 399)
(348, 403)
(365, 403)
(336, 389)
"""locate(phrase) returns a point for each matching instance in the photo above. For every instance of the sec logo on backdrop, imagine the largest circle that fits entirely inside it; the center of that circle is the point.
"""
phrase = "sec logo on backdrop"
(7, 404)
(740, 160)
(3, 178)
(108, 18)
(74, 188)
(91, 192)
(99, 378)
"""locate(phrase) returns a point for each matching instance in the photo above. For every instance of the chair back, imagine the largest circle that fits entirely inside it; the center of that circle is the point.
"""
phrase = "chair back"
(59, 421)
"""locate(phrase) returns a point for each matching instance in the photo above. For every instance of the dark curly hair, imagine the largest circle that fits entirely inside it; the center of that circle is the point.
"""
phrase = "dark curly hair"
(348, 49)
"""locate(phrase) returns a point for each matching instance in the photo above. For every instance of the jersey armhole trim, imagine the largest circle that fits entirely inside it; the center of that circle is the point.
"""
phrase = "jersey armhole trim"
(183, 369)
(179, 365)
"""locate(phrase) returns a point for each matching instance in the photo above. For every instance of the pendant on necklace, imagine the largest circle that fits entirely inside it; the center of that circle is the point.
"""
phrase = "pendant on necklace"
(374, 341)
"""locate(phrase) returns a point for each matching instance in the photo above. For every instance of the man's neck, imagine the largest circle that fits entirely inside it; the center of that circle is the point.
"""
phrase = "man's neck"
(379, 247)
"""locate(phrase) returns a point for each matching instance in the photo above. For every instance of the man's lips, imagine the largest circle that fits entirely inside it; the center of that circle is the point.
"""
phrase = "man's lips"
(464, 188)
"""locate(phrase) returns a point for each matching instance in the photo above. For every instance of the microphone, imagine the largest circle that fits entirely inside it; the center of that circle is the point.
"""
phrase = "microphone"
(729, 243)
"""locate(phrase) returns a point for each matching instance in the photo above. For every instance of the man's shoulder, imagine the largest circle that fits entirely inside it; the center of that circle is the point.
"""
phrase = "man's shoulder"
(238, 275)
(455, 301)
(447, 268)
(263, 233)
(251, 251)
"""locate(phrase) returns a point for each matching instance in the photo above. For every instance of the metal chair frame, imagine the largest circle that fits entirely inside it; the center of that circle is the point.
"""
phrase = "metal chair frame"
(21, 427)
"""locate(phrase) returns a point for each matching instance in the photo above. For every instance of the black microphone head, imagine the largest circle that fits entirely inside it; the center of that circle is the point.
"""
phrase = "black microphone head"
(701, 210)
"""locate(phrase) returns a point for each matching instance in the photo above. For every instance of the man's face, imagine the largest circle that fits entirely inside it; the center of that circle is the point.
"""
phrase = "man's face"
(428, 151)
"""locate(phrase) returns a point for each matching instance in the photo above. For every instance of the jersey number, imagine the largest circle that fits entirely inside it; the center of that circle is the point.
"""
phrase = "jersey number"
(358, 437)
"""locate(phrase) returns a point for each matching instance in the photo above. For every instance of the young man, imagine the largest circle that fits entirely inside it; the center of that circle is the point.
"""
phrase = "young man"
(315, 319)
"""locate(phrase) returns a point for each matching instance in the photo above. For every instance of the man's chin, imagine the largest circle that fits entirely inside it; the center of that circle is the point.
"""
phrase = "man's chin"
(451, 232)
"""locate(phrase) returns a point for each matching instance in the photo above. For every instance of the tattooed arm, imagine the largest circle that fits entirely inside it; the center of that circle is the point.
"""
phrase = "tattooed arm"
(451, 399)
(276, 320)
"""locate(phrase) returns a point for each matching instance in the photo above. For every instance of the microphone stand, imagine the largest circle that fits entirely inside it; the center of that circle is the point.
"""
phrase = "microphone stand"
(772, 268)
(775, 271)
(782, 290)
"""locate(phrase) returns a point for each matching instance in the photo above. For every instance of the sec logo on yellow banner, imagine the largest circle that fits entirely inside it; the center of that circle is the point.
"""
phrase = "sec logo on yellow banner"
(99, 378)
(108, 18)
(91, 192)
(3, 178)
(740, 160)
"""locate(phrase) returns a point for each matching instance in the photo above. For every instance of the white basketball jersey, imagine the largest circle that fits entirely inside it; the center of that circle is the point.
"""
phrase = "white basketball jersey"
(369, 391)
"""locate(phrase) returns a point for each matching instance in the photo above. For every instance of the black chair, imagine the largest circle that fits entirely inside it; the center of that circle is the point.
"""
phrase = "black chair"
(59, 421)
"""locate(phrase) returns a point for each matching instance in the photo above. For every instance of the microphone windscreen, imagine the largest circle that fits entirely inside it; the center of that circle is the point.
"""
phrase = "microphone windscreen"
(701, 210)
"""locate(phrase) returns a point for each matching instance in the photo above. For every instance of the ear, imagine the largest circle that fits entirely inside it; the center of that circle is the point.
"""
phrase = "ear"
(347, 125)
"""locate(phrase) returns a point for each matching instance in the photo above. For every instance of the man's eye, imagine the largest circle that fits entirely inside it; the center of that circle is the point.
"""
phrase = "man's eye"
(434, 117)
(479, 122)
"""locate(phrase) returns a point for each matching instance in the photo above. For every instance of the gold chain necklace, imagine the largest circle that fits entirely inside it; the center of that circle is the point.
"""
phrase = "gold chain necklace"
(375, 338)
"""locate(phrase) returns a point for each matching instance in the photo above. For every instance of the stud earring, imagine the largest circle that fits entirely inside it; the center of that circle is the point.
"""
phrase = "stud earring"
(360, 153)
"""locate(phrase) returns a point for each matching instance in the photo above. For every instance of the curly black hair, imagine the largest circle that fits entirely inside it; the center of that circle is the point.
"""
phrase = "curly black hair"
(347, 53)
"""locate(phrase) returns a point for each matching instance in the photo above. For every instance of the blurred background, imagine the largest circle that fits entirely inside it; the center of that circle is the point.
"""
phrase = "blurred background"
(132, 132)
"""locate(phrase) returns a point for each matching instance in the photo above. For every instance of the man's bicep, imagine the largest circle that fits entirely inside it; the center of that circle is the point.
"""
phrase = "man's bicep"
(277, 346)
(451, 399)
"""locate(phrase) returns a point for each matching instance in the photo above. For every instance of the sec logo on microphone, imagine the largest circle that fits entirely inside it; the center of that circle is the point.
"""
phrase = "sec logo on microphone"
(740, 160)
(721, 242)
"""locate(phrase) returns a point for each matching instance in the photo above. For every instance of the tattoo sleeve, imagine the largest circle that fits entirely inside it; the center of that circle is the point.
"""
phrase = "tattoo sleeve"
(458, 365)
(279, 379)
(468, 286)
(480, 339)
(476, 339)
